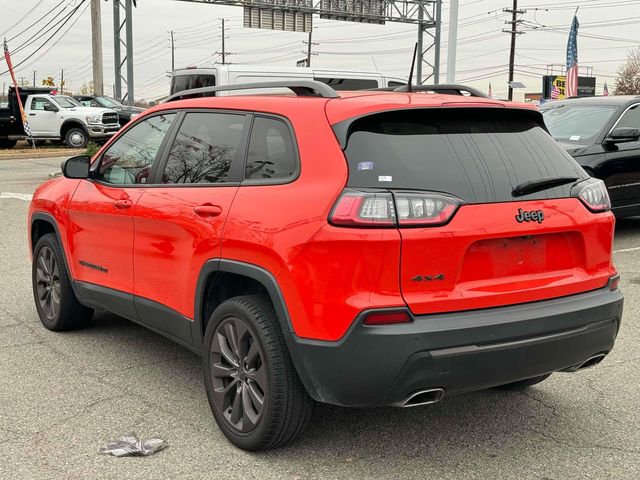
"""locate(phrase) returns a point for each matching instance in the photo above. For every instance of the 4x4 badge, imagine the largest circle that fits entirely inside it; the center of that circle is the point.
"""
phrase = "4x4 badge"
(530, 216)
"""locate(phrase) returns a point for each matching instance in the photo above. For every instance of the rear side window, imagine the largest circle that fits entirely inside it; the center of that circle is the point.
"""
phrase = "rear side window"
(180, 83)
(478, 155)
(349, 83)
(271, 153)
(204, 148)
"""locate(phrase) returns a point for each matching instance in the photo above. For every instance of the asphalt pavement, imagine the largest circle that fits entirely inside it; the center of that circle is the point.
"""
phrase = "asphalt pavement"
(63, 395)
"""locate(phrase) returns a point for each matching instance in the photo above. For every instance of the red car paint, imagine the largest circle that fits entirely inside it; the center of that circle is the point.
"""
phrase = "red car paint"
(154, 245)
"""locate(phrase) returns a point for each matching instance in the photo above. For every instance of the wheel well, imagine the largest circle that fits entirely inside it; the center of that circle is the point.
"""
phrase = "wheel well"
(39, 229)
(68, 126)
(221, 286)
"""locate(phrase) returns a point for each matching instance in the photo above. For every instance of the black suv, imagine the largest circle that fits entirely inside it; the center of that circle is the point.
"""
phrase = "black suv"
(125, 112)
(603, 135)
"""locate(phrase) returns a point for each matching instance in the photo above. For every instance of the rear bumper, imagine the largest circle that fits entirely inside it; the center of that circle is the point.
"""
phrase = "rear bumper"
(458, 352)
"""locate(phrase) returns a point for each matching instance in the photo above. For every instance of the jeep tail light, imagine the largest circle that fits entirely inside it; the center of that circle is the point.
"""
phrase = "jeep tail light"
(594, 195)
(424, 209)
(384, 208)
(357, 208)
(387, 318)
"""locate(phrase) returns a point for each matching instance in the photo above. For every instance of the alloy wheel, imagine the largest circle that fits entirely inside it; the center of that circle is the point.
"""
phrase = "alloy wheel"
(238, 374)
(48, 283)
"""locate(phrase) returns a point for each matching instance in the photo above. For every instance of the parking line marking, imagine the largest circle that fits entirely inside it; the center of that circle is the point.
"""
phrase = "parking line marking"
(622, 250)
(18, 196)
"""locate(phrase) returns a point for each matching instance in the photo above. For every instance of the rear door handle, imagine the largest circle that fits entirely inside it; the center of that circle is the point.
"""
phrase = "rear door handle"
(207, 210)
(32, 114)
(122, 203)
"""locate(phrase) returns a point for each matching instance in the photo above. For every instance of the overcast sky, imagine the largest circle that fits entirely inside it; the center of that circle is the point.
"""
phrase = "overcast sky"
(608, 30)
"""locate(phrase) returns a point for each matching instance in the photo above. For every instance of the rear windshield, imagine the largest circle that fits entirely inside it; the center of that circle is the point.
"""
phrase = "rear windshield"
(478, 155)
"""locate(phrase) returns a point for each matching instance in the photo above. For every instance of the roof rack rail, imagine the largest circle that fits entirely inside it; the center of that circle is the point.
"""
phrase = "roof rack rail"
(443, 88)
(302, 88)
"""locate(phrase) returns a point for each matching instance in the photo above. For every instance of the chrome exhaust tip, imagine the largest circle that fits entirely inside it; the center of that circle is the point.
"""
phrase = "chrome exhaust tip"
(590, 362)
(423, 397)
(596, 359)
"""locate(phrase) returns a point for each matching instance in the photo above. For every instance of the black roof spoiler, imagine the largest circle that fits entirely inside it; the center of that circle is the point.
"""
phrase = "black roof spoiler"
(302, 88)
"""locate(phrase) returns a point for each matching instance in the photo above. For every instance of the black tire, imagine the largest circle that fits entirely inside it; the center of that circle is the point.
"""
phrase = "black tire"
(6, 143)
(262, 365)
(522, 384)
(76, 137)
(57, 305)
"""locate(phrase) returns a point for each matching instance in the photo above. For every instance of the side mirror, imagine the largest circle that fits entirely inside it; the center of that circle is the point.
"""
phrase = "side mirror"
(76, 167)
(50, 108)
(624, 134)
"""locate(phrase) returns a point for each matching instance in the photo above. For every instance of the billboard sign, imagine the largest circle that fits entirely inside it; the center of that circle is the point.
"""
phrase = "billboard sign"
(366, 8)
(554, 87)
(278, 17)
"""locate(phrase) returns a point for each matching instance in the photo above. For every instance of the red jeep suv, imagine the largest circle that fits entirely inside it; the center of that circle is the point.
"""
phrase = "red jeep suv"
(367, 249)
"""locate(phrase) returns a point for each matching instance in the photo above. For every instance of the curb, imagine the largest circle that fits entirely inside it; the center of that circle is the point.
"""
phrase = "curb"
(39, 154)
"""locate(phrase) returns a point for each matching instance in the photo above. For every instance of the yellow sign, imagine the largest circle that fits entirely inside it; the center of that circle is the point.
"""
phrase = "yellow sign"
(558, 88)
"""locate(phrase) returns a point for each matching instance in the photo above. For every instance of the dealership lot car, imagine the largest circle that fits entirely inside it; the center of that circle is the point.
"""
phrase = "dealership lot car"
(603, 135)
(373, 248)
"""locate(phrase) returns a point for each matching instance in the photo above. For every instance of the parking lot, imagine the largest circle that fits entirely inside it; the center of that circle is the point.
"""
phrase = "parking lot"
(62, 396)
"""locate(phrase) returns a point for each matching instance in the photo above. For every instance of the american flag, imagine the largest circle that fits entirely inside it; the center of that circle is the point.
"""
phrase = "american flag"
(7, 57)
(605, 90)
(572, 60)
(555, 92)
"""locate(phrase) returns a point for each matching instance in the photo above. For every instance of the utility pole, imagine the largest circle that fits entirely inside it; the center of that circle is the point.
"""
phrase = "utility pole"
(310, 44)
(514, 33)
(223, 49)
(96, 47)
(62, 81)
(223, 52)
(173, 55)
(34, 78)
(452, 41)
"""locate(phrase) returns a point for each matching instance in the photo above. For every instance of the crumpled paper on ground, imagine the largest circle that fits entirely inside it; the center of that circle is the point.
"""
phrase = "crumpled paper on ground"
(130, 445)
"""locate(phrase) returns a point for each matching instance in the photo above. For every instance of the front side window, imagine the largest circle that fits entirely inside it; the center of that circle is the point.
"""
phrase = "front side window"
(271, 153)
(631, 118)
(38, 103)
(107, 102)
(129, 160)
(66, 102)
(204, 148)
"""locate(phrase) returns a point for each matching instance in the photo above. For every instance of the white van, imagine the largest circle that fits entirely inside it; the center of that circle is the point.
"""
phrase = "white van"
(219, 75)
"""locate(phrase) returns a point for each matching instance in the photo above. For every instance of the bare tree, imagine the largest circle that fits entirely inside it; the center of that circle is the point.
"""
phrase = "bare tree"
(628, 81)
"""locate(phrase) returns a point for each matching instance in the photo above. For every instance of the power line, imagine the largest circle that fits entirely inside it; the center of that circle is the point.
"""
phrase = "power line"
(21, 19)
(52, 35)
(36, 22)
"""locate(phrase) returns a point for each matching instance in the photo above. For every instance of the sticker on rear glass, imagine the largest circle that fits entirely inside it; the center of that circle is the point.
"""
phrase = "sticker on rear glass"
(385, 178)
(365, 165)
(574, 138)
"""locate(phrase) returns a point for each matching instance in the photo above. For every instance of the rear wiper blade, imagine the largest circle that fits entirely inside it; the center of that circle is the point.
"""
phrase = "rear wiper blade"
(532, 186)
